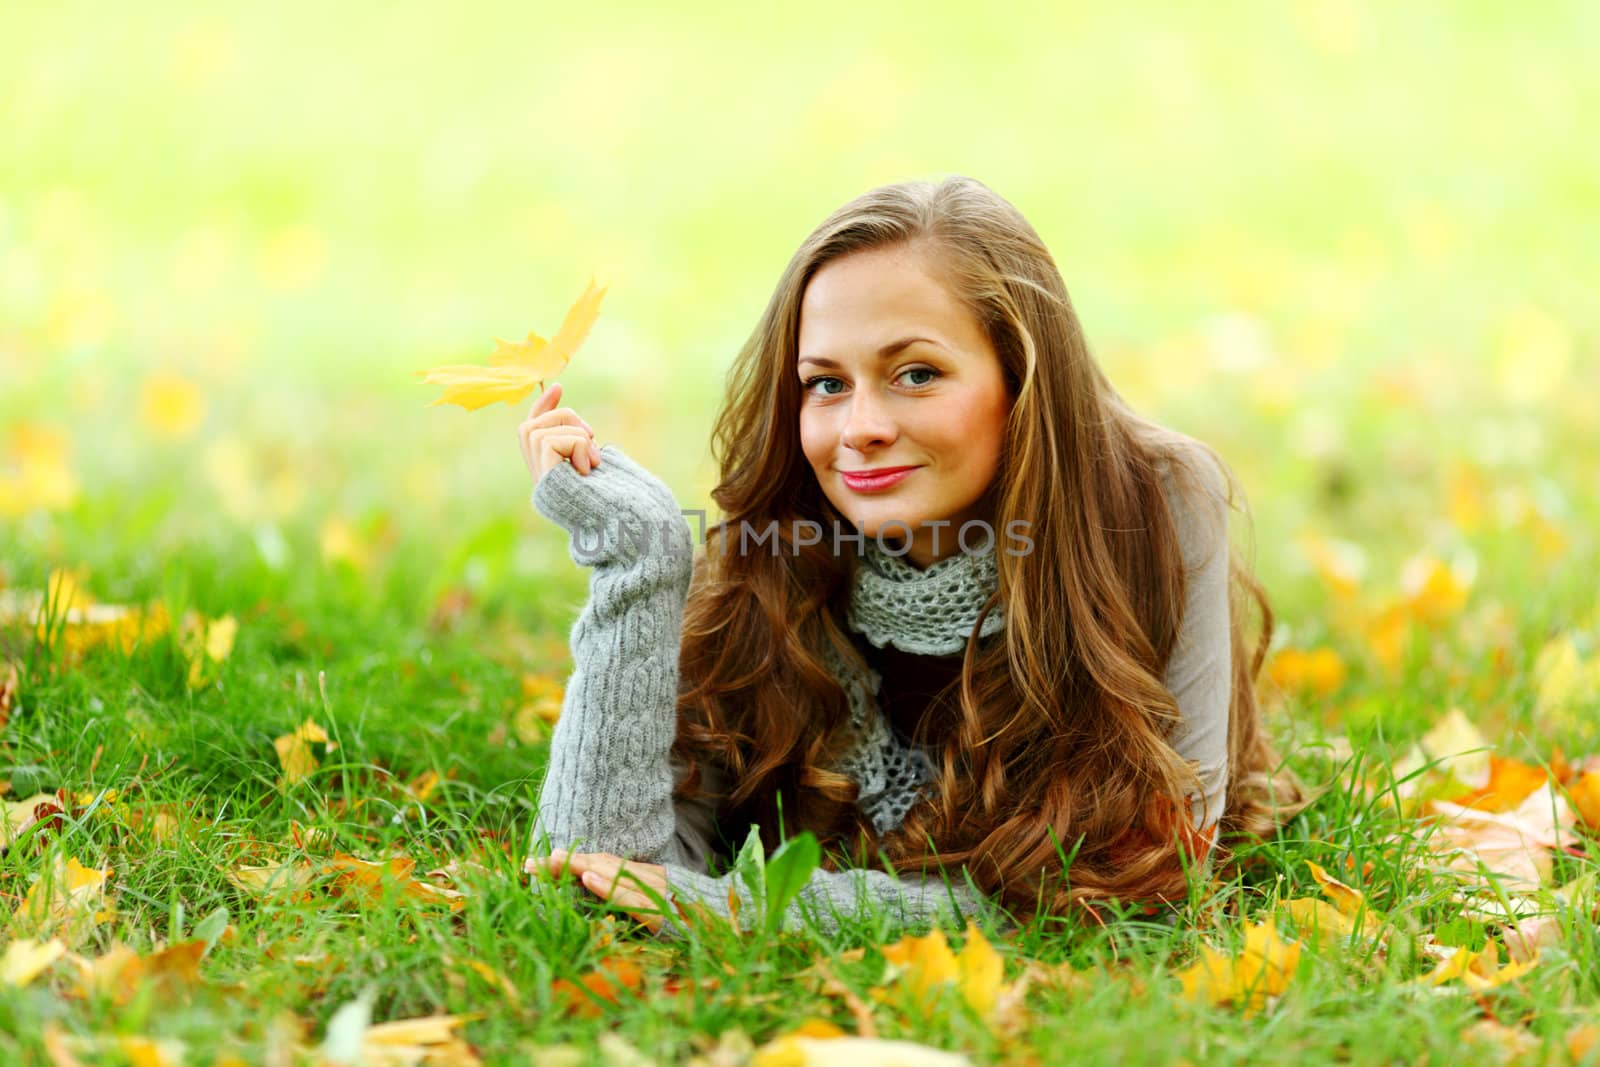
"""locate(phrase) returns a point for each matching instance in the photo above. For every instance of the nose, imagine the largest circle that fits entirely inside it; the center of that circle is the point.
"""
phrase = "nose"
(869, 424)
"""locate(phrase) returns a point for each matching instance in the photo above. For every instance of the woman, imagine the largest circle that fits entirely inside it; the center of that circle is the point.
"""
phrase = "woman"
(1062, 714)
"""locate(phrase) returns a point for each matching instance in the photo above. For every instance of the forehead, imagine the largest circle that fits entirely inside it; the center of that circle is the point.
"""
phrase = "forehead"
(860, 301)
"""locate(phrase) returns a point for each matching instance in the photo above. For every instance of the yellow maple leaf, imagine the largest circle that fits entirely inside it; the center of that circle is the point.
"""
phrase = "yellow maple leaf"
(1263, 969)
(70, 897)
(1349, 901)
(294, 752)
(516, 367)
(1478, 971)
(1321, 918)
(923, 963)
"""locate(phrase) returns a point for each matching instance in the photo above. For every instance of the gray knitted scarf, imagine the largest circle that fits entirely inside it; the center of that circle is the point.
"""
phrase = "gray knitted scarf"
(929, 611)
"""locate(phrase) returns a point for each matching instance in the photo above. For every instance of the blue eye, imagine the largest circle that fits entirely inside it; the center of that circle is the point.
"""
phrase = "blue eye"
(932, 374)
(809, 382)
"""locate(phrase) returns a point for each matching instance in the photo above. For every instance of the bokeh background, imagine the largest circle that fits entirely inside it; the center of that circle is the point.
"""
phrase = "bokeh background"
(1353, 246)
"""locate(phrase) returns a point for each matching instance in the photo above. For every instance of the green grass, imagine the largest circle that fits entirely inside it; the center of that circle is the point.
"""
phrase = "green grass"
(402, 698)
(1352, 248)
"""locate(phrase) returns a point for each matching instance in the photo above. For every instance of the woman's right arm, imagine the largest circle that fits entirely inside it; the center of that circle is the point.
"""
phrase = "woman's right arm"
(608, 786)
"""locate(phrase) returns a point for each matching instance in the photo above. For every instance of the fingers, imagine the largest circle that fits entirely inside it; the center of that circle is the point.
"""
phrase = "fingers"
(606, 876)
(547, 400)
(551, 435)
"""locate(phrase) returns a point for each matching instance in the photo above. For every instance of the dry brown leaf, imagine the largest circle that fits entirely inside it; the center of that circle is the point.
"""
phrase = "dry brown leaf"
(120, 972)
(21, 814)
(378, 880)
(1514, 845)
(272, 878)
(1582, 1041)
(10, 684)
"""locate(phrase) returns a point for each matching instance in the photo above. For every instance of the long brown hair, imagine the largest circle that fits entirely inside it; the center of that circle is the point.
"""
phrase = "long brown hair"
(1061, 744)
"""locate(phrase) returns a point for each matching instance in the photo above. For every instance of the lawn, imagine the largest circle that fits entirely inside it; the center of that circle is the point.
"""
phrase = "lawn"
(281, 645)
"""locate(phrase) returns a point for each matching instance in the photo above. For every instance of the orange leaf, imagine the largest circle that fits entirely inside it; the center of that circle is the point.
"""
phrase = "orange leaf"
(603, 984)
(1586, 798)
(376, 880)
(1510, 783)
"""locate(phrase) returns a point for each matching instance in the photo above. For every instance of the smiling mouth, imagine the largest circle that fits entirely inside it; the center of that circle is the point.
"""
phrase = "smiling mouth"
(867, 481)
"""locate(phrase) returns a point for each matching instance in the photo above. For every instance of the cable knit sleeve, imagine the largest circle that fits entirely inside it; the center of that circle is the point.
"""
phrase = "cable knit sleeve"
(830, 898)
(1200, 673)
(608, 785)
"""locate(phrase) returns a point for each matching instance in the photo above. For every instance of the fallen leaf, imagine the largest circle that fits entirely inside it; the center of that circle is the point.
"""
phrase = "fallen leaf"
(1585, 793)
(1514, 846)
(1583, 1040)
(1478, 970)
(295, 755)
(794, 1050)
(1510, 783)
(600, 986)
(1512, 1044)
(70, 897)
(120, 972)
(26, 959)
(1349, 901)
(274, 877)
(1459, 748)
(21, 814)
(541, 708)
(10, 683)
(921, 964)
(377, 881)
(1262, 970)
(206, 644)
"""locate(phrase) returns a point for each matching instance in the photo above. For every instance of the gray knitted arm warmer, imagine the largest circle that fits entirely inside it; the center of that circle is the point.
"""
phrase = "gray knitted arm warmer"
(608, 785)
(829, 898)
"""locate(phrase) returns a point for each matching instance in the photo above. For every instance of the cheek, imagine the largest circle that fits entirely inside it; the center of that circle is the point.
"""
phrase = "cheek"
(814, 440)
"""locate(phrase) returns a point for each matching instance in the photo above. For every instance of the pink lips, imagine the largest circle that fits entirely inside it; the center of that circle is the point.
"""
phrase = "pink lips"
(872, 481)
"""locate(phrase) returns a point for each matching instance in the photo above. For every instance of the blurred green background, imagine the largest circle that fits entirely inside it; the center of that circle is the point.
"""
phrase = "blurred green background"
(1354, 247)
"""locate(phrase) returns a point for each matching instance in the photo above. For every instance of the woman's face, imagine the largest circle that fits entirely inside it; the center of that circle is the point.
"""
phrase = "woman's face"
(933, 409)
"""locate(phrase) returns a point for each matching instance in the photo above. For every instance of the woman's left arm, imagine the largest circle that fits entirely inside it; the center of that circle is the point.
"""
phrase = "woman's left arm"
(825, 901)
(1200, 673)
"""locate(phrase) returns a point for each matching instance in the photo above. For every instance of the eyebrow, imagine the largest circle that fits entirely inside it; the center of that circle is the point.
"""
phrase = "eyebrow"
(883, 353)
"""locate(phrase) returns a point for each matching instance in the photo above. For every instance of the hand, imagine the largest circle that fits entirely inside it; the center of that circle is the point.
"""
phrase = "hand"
(609, 878)
(552, 435)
